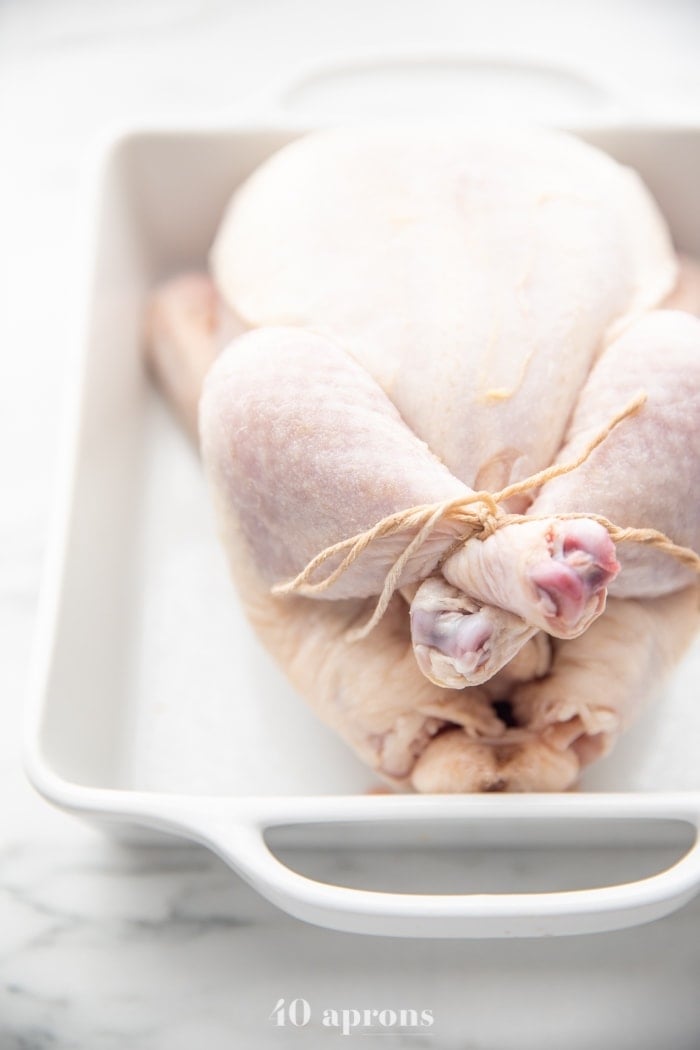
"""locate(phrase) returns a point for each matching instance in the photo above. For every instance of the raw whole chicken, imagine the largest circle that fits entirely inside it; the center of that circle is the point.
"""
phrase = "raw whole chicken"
(409, 318)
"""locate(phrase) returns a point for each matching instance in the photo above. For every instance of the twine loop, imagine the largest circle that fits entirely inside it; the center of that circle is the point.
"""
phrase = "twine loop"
(478, 515)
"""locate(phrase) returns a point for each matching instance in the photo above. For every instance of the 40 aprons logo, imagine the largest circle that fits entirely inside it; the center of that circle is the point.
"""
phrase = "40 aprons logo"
(297, 1013)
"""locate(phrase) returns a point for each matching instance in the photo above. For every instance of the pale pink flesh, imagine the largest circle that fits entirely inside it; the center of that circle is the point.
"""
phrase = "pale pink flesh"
(456, 640)
(186, 327)
(574, 578)
(458, 636)
(551, 573)
(686, 295)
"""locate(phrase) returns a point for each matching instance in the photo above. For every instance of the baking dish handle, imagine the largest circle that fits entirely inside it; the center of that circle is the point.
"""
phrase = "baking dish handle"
(436, 84)
(244, 847)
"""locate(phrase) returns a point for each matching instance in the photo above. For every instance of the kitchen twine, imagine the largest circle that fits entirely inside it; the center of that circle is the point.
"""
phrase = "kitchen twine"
(481, 516)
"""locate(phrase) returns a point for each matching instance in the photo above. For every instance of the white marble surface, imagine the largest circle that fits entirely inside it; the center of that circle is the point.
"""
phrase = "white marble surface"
(103, 946)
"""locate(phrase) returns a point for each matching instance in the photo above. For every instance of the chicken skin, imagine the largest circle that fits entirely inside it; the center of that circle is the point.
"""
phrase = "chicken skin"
(426, 316)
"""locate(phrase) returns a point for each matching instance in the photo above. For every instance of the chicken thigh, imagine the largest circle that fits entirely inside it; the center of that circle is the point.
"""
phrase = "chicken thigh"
(429, 313)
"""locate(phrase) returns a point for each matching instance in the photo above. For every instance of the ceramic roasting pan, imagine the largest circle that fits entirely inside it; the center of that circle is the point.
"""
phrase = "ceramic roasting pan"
(154, 706)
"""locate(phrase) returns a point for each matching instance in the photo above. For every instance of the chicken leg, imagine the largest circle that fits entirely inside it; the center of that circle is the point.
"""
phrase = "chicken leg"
(648, 469)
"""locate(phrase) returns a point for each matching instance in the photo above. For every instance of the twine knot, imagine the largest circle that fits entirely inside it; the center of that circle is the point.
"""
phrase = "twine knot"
(488, 521)
(479, 515)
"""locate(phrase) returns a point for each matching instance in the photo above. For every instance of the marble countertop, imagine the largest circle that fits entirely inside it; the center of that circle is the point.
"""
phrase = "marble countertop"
(103, 945)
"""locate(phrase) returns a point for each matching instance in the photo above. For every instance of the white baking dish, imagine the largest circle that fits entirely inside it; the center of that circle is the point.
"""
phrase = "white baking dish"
(153, 705)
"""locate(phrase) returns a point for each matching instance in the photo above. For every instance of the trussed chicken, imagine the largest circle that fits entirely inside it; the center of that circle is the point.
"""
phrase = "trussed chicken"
(430, 315)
